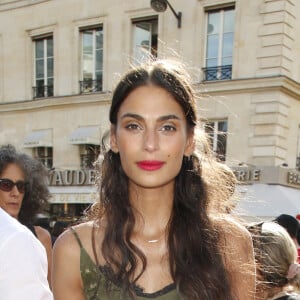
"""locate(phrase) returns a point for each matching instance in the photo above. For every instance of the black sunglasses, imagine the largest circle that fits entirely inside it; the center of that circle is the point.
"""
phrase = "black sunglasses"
(6, 185)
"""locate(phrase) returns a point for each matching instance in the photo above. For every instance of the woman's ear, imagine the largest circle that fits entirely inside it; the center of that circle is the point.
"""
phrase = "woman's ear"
(113, 139)
(190, 145)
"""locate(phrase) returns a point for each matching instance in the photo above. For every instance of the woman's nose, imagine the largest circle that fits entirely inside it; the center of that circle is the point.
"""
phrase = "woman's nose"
(151, 140)
(15, 190)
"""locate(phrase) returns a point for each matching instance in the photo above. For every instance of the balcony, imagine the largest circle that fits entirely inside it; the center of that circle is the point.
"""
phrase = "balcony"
(90, 86)
(217, 73)
(42, 91)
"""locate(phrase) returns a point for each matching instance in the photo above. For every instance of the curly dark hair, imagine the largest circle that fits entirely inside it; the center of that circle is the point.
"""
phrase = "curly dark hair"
(195, 257)
(36, 195)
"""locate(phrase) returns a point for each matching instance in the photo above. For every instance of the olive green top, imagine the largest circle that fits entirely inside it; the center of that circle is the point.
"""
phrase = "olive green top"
(94, 280)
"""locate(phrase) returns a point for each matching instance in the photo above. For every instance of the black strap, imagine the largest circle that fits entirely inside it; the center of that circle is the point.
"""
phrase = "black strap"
(76, 236)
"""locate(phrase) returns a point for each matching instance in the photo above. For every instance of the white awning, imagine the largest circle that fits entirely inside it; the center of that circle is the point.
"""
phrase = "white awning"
(38, 138)
(266, 201)
(85, 135)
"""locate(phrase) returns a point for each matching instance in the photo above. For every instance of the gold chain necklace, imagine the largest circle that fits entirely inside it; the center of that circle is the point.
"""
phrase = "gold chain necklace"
(154, 240)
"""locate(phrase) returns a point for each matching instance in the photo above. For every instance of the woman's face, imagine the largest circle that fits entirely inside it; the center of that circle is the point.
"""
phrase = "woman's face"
(151, 137)
(11, 201)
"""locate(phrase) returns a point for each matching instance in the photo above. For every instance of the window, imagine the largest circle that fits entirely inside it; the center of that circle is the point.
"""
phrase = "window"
(44, 62)
(91, 60)
(298, 151)
(219, 44)
(88, 155)
(217, 131)
(144, 40)
(44, 155)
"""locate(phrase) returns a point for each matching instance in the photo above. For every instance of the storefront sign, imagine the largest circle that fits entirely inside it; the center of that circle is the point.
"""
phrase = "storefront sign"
(293, 178)
(267, 175)
(72, 177)
(71, 198)
(247, 175)
(244, 175)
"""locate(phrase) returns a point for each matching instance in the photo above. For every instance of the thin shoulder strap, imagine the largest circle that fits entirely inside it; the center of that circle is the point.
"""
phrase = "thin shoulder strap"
(94, 244)
(76, 236)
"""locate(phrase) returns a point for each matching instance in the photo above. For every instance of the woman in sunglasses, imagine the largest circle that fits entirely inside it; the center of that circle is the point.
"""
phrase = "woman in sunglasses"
(24, 192)
(278, 272)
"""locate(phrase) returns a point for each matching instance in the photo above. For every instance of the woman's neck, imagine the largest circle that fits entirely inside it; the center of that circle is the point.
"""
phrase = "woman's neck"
(153, 209)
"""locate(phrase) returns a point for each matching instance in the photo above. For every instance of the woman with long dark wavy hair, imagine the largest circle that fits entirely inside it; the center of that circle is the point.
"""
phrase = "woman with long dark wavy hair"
(160, 229)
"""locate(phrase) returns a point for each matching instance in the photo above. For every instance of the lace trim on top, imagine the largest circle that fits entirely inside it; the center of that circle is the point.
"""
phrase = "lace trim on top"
(140, 292)
(107, 272)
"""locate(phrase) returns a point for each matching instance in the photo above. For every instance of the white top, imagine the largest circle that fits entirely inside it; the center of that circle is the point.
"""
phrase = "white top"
(23, 263)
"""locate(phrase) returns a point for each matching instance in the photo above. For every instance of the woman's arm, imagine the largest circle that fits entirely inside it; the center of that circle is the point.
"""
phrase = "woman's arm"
(66, 278)
(45, 238)
(239, 260)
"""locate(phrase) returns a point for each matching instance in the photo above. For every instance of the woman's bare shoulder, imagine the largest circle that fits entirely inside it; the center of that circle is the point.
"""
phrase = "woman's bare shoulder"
(42, 234)
(238, 254)
(67, 240)
(232, 229)
(66, 278)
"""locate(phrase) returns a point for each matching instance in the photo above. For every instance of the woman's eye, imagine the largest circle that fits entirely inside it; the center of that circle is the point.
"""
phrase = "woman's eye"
(168, 128)
(132, 126)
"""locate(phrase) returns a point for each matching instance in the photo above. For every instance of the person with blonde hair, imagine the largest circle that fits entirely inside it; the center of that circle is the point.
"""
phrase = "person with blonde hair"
(160, 230)
(278, 273)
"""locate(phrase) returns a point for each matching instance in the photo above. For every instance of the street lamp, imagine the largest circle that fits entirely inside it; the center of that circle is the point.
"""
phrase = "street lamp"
(161, 6)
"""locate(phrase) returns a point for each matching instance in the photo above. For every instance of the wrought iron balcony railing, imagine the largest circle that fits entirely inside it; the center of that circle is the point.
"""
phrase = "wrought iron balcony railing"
(217, 73)
(90, 86)
(42, 91)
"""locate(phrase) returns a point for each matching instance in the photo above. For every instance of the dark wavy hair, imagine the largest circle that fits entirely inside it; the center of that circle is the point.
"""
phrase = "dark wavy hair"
(195, 257)
(36, 194)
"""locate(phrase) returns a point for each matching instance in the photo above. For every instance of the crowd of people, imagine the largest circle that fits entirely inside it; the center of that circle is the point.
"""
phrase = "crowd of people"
(163, 227)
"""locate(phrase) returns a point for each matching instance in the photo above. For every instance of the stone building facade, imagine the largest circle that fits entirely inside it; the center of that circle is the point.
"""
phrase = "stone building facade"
(60, 60)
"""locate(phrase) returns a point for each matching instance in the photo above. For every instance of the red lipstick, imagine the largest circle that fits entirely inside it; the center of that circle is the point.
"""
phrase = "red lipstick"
(150, 165)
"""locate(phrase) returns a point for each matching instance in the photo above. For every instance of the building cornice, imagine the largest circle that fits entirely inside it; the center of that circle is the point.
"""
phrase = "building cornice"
(12, 4)
(41, 103)
(234, 86)
(282, 83)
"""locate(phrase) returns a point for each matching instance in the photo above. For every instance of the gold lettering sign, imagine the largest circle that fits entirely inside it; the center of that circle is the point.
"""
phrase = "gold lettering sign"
(246, 175)
(293, 178)
(72, 177)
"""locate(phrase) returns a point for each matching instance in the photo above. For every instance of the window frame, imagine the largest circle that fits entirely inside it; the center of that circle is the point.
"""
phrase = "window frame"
(88, 155)
(47, 156)
(220, 71)
(214, 137)
(298, 151)
(92, 85)
(45, 90)
(151, 52)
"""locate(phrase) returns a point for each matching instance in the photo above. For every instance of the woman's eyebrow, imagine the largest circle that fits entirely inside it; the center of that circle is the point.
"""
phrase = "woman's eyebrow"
(140, 118)
(131, 115)
(168, 117)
